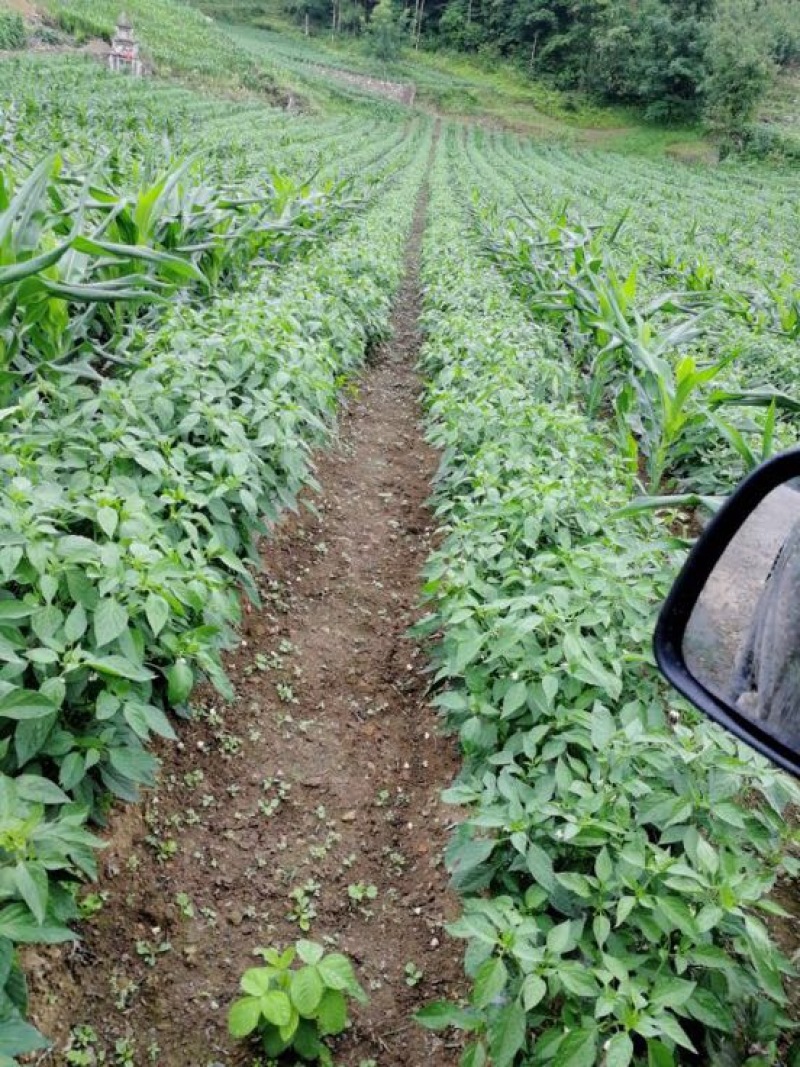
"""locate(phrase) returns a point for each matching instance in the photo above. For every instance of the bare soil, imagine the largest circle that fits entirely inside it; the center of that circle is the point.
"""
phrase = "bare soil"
(322, 777)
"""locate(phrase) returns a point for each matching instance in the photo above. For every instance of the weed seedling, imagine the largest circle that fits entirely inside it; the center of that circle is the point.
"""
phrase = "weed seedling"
(150, 952)
(92, 903)
(304, 908)
(359, 891)
(184, 902)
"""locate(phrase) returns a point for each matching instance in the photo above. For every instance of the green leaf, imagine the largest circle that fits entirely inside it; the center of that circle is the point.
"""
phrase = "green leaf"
(244, 1016)
(32, 885)
(110, 620)
(307, 1043)
(14, 610)
(490, 981)
(18, 1037)
(256, 981)
(310, 952)
(276, 1007)
(533, 991)
(336, 971)
(306, 990)
(75, 624)
(39, 790)
(25, 704)
(157, 611)
(331, 1013)
(144, 719)
(619, 1051)
(540, 866)
(441, 1014)
(658, 1055)
(578, 982)
(559, 938)
(601, 928)
(73, 770)
(119, 667)
(709, 1010)
(30, 736)
(17, 923)
(107, 520)
(578, 1049)
(507, 1035)
(180, 681)
(515, 697)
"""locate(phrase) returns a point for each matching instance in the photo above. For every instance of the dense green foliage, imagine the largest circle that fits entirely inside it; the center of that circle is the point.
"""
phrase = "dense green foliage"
(676, 59)
(131, 497)
(177, 318)
(12, 31)
(616, 853)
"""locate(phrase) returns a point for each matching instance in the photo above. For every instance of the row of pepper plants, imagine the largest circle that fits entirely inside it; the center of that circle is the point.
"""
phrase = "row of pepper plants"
(135, 482)
(615, 856)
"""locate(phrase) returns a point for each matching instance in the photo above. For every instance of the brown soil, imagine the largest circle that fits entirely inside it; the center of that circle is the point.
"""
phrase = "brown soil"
(330, 782)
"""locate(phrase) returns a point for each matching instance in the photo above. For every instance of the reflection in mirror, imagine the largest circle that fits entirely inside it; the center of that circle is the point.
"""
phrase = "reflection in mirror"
(743, 638)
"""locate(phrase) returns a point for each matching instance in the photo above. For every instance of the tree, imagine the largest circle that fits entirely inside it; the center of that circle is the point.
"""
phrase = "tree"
(387, 31)
(739, 67)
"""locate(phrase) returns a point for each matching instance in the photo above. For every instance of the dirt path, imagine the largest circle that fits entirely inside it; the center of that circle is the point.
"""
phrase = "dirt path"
(317, 784)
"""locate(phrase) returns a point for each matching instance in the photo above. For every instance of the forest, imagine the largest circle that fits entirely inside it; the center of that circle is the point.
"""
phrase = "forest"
(678, 60)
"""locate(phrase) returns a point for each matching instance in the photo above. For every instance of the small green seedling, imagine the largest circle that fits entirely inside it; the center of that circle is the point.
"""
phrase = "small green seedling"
(359, 891)
(413, 974)
(296, 1007)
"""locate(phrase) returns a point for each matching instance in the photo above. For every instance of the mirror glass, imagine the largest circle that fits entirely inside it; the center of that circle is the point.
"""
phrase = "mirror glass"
(743, 638)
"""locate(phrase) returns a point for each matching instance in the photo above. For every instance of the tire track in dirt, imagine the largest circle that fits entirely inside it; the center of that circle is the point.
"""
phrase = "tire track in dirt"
(324, 774)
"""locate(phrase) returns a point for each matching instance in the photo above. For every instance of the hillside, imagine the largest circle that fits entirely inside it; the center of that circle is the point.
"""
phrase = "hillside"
(176, 38)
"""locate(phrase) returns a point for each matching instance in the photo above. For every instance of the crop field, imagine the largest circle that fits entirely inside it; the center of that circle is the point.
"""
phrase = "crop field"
(348, 454)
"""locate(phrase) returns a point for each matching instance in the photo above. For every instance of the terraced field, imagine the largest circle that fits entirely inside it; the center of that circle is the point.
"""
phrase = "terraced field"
(271, 381)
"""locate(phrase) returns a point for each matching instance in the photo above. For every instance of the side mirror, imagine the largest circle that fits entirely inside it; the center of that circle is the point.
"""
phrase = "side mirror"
(728, 636)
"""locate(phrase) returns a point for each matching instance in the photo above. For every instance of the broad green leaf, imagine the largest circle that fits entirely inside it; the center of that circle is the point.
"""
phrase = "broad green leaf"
(507, 1035)
(18, 1037)
(618, 1051)
(331, 1012)
(25, 704)
(336, 971)
(110, 620)
(32, 885)
(578, 1049)
(306, 990)
(157, 611)
(533, 991)
(243, 1016)
(107, 520)
(118, 667)
(490, 980)
(256, 981)
(276, 1006)
(17, 923)
(180, 681)
(75, 624)
(441, 1014)
(310, 952)
(39, 790)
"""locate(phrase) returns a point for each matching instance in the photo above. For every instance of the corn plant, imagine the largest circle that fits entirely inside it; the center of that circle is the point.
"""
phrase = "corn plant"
(632, 352)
